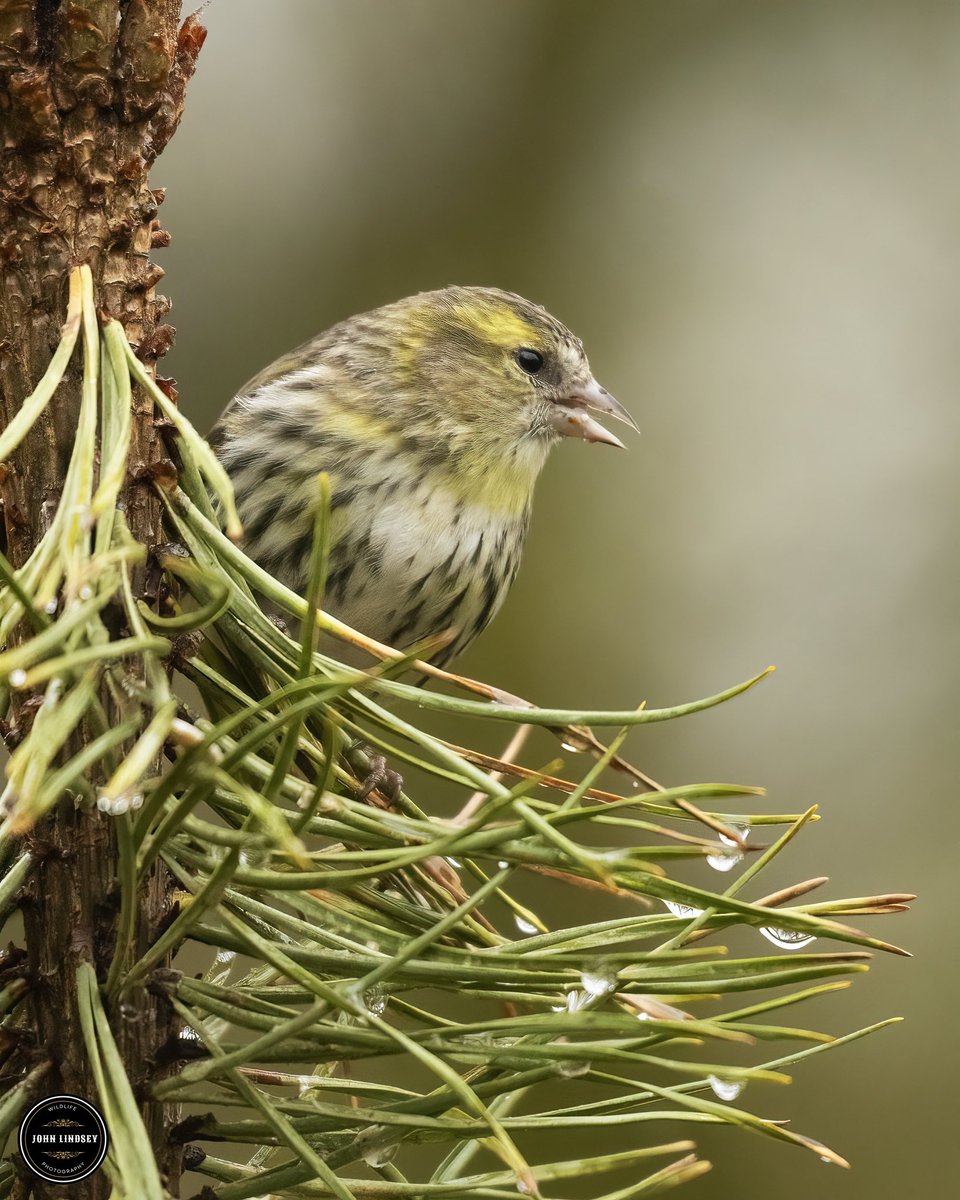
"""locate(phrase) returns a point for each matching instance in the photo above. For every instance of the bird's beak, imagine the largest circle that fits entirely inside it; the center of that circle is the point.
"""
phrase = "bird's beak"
(569, 417)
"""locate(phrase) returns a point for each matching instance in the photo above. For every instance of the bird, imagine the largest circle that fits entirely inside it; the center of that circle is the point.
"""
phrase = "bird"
(433, 417)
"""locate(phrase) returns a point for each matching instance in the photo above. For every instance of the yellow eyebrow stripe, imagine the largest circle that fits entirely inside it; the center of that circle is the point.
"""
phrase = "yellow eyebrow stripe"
(498, 324)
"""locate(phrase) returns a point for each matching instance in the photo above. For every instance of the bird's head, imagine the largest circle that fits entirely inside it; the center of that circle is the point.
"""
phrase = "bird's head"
(498, 373)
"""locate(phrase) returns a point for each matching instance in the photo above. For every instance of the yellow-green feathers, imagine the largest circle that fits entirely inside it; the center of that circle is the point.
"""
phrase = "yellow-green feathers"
(433, 429)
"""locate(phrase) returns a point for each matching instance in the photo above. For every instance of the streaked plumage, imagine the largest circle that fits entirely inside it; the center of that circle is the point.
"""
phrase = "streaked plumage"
(433, 435)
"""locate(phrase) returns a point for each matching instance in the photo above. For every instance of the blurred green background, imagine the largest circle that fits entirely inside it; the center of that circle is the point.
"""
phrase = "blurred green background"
(749, 211)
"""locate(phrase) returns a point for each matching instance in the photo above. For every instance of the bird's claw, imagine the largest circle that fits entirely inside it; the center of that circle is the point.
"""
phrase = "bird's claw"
(381, 778)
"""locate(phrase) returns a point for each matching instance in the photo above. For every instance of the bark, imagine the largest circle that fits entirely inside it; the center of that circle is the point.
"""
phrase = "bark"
(90, 93)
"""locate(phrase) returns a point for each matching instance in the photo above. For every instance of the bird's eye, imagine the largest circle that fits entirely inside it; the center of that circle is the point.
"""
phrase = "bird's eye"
(529, 360)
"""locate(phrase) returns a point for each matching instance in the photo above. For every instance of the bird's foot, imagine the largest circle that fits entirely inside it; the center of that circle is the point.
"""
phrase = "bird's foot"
(380, 778)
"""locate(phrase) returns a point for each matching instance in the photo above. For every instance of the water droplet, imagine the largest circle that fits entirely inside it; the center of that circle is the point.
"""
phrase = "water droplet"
(118, 805)
(17, 678)
(724, 862)
(683, 910)
(375, 1002)
(571, 1068)
(787, 939)
(725, 1089)
(381, 1156)
(525, 926)
(599, 979)
(503, 864)
(731, 854)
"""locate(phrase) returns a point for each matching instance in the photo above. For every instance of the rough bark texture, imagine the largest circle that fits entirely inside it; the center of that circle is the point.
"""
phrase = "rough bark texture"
(90, 93)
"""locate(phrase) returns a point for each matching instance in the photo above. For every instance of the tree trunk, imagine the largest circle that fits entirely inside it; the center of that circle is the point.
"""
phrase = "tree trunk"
(90, 93)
